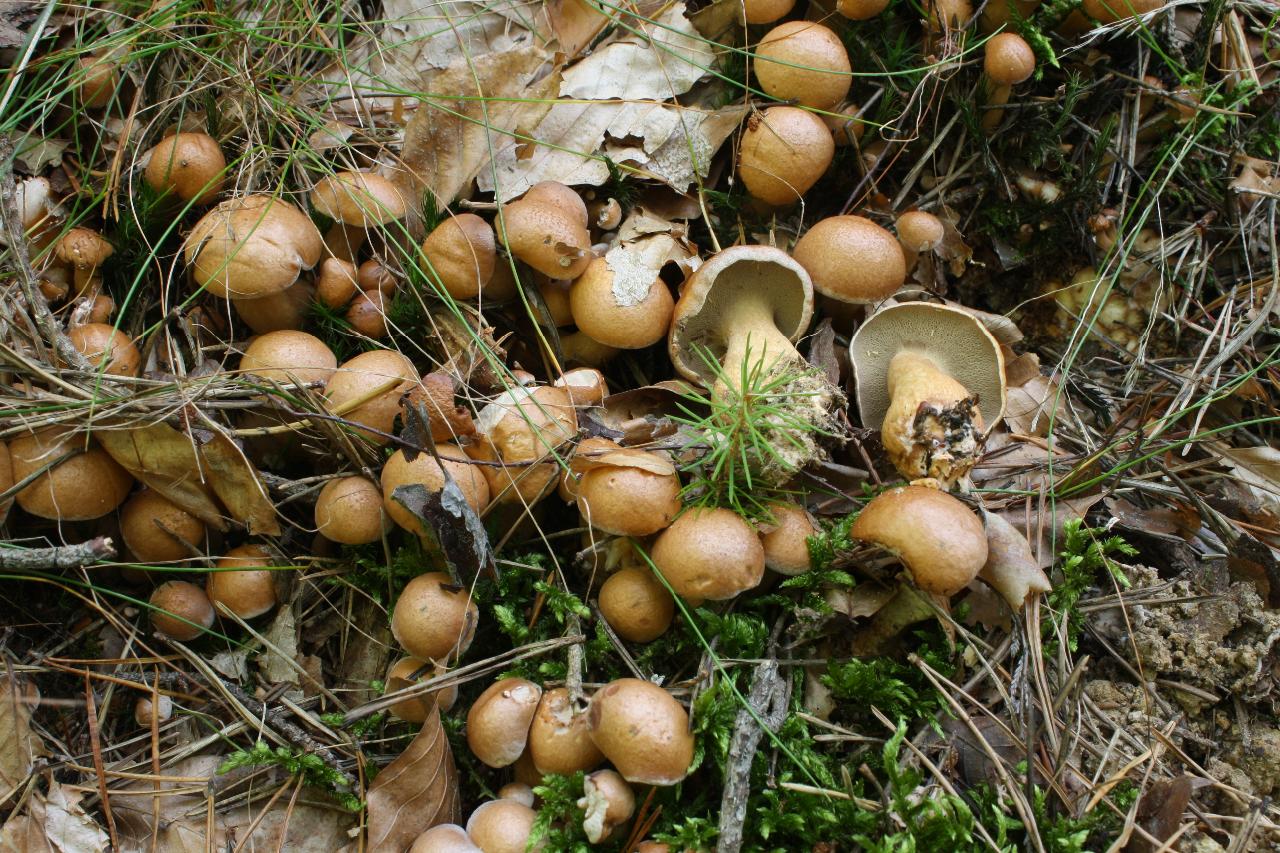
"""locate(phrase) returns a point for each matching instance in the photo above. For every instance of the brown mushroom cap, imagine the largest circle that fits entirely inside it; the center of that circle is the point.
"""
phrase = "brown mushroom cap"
(415, 709)
(88, 485)
(558, 195)
(555, 295)
(101, 78)
(462, 252)
(444, 838)
(148, 524)
(349, 510)
(1008, 59)
(239, 585)
(804, 62)
(190, 165)
(617, 314)
(861, 10)
(367, 314)
(433, 619)
(851, 259)
(523, 428)
(144, 710)
(84, 248)
(642, 730)
(6, 479)
(629, 493)
(636, 605)
(607, 802)
(181, 610)
(372, 275)
(518, 791)
(558, 737)
(499, 720)
(1110, 11)
(435, 395)
(920, 231)
(701, 317)
(544, 230)
(585, 386)
(251, 246)
(710, 553)
(283, 310)
(501, 826)
(289, 356)
(99, 342)
(427, 472)
(766, 11)
(364, 199)
(786, 546)
(939, 539)
(954, 340)
(783, 153)
(336, 283)
(357, 377)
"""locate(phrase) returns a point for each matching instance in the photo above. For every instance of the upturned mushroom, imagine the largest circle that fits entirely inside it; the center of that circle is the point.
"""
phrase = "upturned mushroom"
(251, 247)
(784, 151)
(499, 720)
(642, 730)
(1007, 62)
(433, 619)
(805, 63)
(84, 250)
(356, 202)
(547, 229)
(709, 554)
(932, 378)
(852, 259)
(188, 165)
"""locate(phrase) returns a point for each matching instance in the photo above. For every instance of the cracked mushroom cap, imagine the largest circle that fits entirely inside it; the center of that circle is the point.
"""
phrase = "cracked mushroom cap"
(499, 720)
(710, 553)
(642, 730)
(502, 826)
(148, 524)
(547, 229)
(189, 165)
(629, 493)
(100, 342)
(558, 738)
(783, 152)
(429, 473)
(181, 610)
(939, 539)
(607, 802)
(83, 248)
(251, 247)
(444, 838)
(364, 199)
(433, 619)
(88, 485)
(697, 321)
(1008, 59)
(288, 355)
(852, 259)
(954, 340)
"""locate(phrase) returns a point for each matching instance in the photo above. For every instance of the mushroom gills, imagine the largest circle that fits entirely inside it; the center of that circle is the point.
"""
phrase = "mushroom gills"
(932, 428)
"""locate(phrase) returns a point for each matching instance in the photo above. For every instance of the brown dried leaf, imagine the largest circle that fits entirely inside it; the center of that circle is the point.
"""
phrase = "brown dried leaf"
(415, 792)
(576, 23)
(64, 824)
(19, 745)
(23, 834)
(1160, 812)
(236, 483)
(165, 459)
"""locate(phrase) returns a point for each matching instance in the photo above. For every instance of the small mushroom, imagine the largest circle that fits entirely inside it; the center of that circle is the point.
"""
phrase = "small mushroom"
(433, 619)
(636, 605)
(461, 253)
(547, 229)
(444, 838)
(629, 493)
(286, 309)
(784, 151)
(156, 530)
(251, 247)
(434, 395)
(145, 711)
(106, 348)
(518, 791)
(805, 63)
(242, 582)
(709, 553)
(416, 708)
(932, 377)
(766, 11)
(628, 316)
(558, 737)
(502, 826)
(786, 545)
(1007, 62)
(607, 802)
(642, 730)
(336, 283)
(99, 80)
(499, 720)
(85, 250)
(349, 510)
(367, 314)
(852, 259)
(188, 165)
(585, 386)
(356, 202)
(181, 610)
(1111, 11)
(861, 10)
(289, 357)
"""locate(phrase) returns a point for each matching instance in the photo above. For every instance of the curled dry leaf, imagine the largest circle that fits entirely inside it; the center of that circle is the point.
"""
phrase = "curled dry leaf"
(415, 792)
(1011, 567)
(19, 745)
(651, 462)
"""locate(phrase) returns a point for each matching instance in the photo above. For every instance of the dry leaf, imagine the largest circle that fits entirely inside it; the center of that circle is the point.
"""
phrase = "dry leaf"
(415, 792)
(165, 459)
(449, 522)
(19, 745)
(643, 460)
(1011, 568)
(1257, 467)
(67, 829)
(23, 834)
(237, 485)
(653, 61)
(576, 23)
(1029, 407)
(282, 635)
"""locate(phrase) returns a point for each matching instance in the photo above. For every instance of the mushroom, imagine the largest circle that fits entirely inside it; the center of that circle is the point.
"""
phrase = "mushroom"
(433, 619)
(620, 310)
(372, 275)
(100, 308)
(637, 607)
(584, 457)
(349, 510)
(156, 530)
(434, 395)
(188, 165)
(499, 720)
(519, 792)
(429, 472)
(558, 737)
(766, 11)
(416, 708)
(709, 553)
(1111, 11)
(286, 309)
(607, 802)
(146, 712)
(85, 250)
(87, 485)
(932, 377)
(367, 314)
(852, 259)
(547, 229)
(937, 538)
(501, 826)
(107, 348)
(844, 123)
(461, 253)
(289, 356)
(444, 838)
(356, 202)
(336, 283)
(373, 382)
(920, 231)
(1008, 61)
(784, 151)
(629, 493)
(38, 211)
(523, 428)
(605, 214)
(242, 582)
(181, 610)
(861, 10)
(786, 545)
(580, 348)
(101, 78)
(805, 63)
(642, 730)
(251, 247)
(585, 386)
(555, 296)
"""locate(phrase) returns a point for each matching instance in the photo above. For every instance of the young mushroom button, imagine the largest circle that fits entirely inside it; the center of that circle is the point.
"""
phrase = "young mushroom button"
(642, 730)
(784, 151)
(1008, 61)
(188, 165)
(803, 62)
(710, 553)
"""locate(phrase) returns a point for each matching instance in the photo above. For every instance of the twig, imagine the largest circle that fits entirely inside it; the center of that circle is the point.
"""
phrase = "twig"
(769, 697)
(59, 556)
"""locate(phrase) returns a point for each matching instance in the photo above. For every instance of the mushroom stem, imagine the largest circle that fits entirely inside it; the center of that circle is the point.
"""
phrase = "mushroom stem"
(344, 241)
(931, 427)
(905, 609)
(755, 344)
(997, 97)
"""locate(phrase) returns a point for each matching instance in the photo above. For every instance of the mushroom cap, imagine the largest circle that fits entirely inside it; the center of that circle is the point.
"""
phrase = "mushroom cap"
(356, 377)
(367, 314)
(852, 259)
(696, 321)
(1110, 11)
(433, 619)
(239, 585)
(101, 78)
(86, 486)
(555, 295)
(861, 10)
(349, 511)
(444, 838)
(920, 231)
(336, 282)
(416, 709)
(365, 199)
(287, 356)
(629, 493)
(608, 801)
(559, 195)
(585, 386)
(766, 11)
(462, 252)
(786, 546)
(710, 553)
(372, 275)
(83, 248)
(540, 231)
(522, 427)
(190, 165)
(953, 339)
(804, 62)
(636, 605)
(939, 539)
(499, 720)
(1008, 59)
(558, 738)
(435, 393)
(98, 342)
(6, 478)
(251, 246)
(283, 310)
(642, 730)
(518, 791)
(618, 317)
(144, 709)
(501, 826)
(425, 470)
(174, 599)
(146, 516)
(784, 151)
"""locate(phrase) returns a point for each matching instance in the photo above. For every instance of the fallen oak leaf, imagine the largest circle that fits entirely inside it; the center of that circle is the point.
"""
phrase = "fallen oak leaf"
(415, 792)
(165, 460)
(236, 482)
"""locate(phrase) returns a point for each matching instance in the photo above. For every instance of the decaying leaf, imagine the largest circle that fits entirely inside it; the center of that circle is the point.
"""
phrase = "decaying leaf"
(576, 23)
(1160, 812)
(19, 745)
(1011, 567)
(66, 827)
(23, 834)
(236, 483)
(415, 792)
(1256, 467)
(450, 521)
